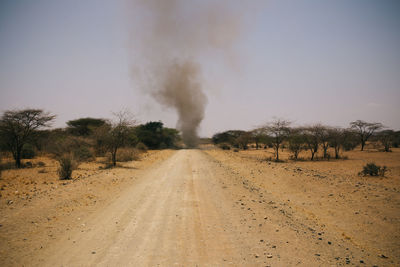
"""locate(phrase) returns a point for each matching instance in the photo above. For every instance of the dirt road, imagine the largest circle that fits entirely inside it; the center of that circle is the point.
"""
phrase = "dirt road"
(189, 210)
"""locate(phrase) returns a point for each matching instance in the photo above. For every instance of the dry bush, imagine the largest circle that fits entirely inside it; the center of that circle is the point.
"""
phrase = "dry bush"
(67, 166)
(142, 147)
(83, 153)
(372, 169)
(225, 146)
(126, 154)
(7, 165)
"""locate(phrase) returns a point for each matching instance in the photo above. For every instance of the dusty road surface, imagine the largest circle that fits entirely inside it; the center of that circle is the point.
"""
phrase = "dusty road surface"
(191, 209)
(176, 215)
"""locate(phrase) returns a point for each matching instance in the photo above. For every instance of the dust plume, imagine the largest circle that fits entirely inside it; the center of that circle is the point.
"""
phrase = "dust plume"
(171, 38)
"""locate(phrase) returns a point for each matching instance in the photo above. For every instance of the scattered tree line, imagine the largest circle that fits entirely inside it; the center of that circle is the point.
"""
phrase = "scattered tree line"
(280, 134)
(26, 132)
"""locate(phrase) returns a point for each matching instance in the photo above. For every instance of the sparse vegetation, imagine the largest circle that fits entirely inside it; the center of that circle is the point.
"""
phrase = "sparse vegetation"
(259, 136)
(372, 169)
(84, 126)
(311, 140)
(114, 135)
(296, 142)
(336, 140)
(235, 138)
(67, 166)
(155, 136)
(365, 130)
(83, 153)
(142, 147)
(323, 135)
(386, 138)
(127, 154)
(225, 146)
(280, 136)
(17, 128)
(279, 131)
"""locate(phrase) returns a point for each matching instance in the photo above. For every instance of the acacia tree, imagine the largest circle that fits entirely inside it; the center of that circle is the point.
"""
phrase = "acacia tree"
(84, 126)
(17, 128)
(311, 139)
(386, 138)
(322, 133)
(296, 142)
(336, 139)
(259, 136)
(116, 134)
(365, 130)
(279, 131)
(243, 140)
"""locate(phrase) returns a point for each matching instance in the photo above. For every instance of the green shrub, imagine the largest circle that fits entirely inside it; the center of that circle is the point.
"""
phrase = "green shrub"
(83, 153)
(225, 146)
(372, 169)
(67, 165)
(142, 147)
(28, 152)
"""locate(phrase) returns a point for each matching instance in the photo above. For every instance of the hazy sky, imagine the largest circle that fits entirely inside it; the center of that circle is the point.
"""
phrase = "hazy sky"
(307, 61)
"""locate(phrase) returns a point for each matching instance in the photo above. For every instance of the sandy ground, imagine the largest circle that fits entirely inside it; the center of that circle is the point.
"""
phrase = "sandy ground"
(205, 208)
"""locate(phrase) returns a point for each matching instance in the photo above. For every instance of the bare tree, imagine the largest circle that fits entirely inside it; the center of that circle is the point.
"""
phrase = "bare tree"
(116, 134)
(386, 138)
(259, 136)
(243, 140)
(17, 128)
(322, 133)
(296, 142)
(279, 131)
(336, 139)
(365, 130)
(311, 139)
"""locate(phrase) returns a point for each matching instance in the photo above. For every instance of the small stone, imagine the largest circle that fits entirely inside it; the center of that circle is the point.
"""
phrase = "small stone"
(256, 255)
(93, 252)
(329, 242)
(269, 256)
(361, 261)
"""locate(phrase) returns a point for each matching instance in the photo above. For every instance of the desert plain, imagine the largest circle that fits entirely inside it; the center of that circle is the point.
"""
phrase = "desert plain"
(203, 207)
